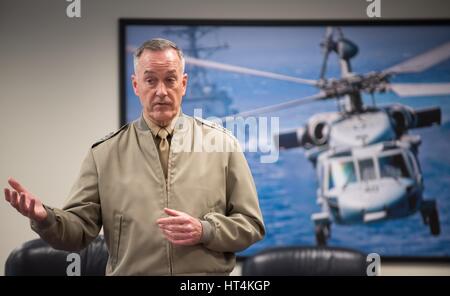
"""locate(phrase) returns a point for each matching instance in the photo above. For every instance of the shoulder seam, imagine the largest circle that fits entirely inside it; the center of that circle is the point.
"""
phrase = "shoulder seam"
(214, 126)
(109, 136)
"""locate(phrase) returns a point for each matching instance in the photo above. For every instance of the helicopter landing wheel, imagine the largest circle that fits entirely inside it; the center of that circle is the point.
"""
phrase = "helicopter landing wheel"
(435, 225)
(322, 234)
(430, 217)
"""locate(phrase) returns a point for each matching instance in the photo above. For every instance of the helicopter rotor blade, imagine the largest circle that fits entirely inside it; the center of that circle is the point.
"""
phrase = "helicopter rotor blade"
(327, 46)
(423, 61)
(243, 70)
(281, 106)
(420, 89)
(324, 63)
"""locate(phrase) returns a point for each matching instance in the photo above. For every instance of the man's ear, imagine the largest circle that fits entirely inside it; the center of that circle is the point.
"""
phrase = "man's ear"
(185, 81)
(135, 84)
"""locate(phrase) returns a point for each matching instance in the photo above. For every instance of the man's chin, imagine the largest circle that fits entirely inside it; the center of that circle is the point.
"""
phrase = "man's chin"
(163, 117)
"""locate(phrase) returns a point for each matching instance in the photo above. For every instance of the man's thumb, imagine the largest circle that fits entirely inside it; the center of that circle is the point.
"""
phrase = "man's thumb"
(16, 185)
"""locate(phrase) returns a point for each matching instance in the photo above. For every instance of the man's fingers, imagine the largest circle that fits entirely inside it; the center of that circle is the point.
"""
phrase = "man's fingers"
(16, 185)
(20, 203)
(176, 227)
(13, 201)
(31, 212)
(172, 212)
(23, 204)
(173, 220)
(178, 235)
(7, 194)
(173, 240)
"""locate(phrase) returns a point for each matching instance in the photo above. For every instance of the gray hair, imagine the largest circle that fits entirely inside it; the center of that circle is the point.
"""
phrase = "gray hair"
(158, 44)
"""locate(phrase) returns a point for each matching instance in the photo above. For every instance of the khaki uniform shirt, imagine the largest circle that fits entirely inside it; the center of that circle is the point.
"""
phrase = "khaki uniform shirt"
(122, 187)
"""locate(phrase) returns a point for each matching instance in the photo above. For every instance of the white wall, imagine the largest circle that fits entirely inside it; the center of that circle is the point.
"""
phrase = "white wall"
(59, 81)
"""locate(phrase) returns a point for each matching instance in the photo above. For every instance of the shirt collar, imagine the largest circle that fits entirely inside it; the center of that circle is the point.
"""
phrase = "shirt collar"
(154, 128)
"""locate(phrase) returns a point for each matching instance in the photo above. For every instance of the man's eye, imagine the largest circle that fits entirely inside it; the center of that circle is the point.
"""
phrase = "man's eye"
(171, 80)
(151, 81)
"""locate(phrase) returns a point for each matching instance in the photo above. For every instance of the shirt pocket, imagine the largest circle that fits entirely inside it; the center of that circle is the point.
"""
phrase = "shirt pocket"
(216, 201)
(117, 236)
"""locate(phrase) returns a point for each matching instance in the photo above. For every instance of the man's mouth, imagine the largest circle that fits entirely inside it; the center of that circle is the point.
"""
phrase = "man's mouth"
(162, 104)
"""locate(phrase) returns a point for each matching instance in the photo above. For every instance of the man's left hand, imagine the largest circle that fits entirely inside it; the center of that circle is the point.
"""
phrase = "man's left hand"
(180, 228)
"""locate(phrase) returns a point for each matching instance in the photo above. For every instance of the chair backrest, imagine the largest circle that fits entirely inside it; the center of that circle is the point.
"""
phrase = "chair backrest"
(311, 261)
(36, 257)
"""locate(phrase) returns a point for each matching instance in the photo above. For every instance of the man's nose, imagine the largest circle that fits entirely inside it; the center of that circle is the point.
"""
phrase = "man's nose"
(161, 90)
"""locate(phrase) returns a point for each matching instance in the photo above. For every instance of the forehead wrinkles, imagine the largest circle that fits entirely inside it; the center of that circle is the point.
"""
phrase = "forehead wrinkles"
(154, 65)
(157, 61)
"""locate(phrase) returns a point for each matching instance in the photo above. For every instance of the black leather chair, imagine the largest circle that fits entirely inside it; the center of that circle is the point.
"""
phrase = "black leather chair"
(306, 261)
(36, 257)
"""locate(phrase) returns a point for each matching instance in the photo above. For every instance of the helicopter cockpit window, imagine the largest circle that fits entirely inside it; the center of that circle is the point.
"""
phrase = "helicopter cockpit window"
(367, 169)
(342, 173)
(393, 166)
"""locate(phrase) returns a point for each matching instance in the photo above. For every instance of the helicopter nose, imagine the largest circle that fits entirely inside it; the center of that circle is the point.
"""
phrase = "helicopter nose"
(372, 200)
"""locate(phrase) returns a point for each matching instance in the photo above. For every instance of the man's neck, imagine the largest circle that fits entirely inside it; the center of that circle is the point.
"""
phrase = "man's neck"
(152, 124)
(158, 123)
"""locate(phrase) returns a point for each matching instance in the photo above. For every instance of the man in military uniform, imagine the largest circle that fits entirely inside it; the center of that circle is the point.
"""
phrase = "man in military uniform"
(166, 208)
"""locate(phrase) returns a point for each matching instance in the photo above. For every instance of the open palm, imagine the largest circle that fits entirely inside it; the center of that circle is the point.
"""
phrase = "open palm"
(24, 201)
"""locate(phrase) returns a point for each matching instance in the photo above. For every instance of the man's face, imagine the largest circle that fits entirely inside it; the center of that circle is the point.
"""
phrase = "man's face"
(159, 84)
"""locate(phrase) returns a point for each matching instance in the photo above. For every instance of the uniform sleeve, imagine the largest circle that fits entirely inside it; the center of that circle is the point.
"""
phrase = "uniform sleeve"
(74, 226)
(242, 225)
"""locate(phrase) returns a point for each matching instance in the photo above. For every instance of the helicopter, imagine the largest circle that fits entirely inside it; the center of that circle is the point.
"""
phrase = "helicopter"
(365, 159)
(366, 162)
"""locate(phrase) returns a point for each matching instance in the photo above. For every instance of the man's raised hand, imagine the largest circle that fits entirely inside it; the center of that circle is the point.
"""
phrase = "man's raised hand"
(24, 201)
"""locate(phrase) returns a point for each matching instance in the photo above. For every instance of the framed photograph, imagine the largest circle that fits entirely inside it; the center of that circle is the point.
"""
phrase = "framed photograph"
(358, 117)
